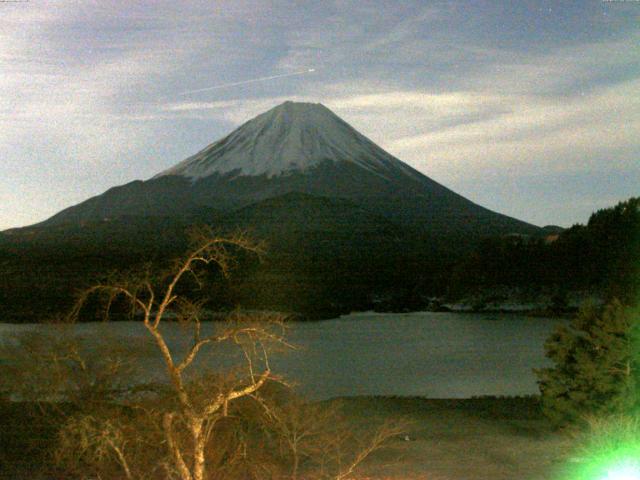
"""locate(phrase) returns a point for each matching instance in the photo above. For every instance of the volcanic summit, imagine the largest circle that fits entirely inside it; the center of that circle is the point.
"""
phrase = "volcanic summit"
(296, 147)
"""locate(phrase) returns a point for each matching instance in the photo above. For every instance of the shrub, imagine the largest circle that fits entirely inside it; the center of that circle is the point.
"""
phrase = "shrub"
(596, 365)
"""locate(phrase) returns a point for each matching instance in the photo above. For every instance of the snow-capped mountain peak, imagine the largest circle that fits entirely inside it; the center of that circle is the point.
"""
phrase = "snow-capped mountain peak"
(291, 137)
(295, 148)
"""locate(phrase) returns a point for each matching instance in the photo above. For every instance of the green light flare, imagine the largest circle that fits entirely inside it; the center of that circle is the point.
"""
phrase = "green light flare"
(607, 467)
(629, 470)
(608, 450)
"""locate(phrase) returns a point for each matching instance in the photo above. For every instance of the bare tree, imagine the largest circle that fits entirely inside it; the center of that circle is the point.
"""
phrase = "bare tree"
(194, 411)
(89, 440)
(54, 363)
(320, 442)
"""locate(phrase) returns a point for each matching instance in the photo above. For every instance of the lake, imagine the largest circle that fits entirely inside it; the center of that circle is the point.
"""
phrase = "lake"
(437, 355)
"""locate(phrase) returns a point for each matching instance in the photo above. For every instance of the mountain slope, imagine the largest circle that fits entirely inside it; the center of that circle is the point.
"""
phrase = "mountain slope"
(326, 256)
(297, 147)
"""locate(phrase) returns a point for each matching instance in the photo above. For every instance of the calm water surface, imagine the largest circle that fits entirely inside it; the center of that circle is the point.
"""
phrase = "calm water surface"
(438, 355)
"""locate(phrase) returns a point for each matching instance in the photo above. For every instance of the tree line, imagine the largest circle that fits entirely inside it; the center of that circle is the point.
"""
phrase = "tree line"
(602, 256)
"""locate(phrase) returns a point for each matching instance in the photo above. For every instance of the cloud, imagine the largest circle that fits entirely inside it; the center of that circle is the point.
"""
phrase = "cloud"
(534, 132)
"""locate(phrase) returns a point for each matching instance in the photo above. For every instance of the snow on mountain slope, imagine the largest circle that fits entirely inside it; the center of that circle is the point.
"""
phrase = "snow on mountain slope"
(291, 137)
(303, 148)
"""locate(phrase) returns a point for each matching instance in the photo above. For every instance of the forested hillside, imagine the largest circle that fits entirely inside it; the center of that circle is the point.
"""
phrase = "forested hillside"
(602, 256)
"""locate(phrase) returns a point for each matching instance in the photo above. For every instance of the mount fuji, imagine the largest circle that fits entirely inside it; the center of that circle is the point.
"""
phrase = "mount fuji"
(303, 148)
(347, 224)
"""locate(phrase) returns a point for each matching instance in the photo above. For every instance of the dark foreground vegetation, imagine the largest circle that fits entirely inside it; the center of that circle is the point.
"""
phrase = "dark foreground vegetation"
(62, 441)
(326, 258)
(502, 438)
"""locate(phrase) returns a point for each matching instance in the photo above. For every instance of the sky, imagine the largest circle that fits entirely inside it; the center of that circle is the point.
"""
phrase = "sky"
(530, 108)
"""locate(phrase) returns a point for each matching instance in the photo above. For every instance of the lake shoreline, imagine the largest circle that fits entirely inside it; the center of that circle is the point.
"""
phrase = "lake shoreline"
(221, 316)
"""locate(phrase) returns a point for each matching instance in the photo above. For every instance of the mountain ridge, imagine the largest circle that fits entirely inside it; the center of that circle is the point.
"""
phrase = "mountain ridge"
(296, 147)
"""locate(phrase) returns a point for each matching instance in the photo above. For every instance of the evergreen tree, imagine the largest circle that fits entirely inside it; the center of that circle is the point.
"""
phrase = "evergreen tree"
(596, 367)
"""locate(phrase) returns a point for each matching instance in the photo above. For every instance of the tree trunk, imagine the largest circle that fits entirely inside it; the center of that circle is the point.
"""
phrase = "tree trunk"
(199, 440)
(174, 449)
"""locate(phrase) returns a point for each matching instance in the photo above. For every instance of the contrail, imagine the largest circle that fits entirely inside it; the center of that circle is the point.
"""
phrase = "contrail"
(261, 79)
